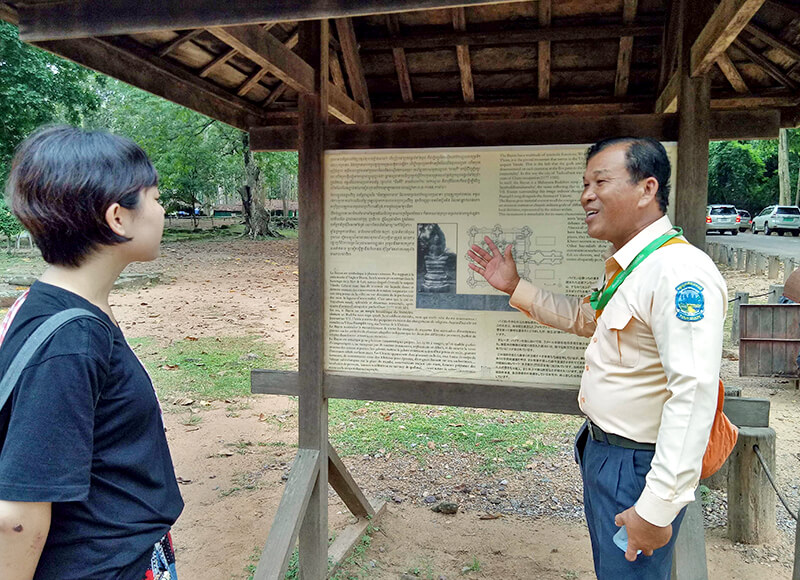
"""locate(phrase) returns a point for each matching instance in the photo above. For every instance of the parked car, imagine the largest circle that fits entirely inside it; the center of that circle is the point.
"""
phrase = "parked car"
(778, 218)
(722, 218)
(744, 215)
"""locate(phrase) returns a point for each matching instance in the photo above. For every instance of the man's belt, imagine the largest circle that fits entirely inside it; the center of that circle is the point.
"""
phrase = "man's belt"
(598, 434)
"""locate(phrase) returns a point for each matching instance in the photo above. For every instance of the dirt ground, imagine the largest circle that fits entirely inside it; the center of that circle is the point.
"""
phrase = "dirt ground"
(233, 463)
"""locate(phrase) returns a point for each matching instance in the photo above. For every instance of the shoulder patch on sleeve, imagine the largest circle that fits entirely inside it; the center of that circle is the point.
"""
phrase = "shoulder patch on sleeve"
(689, 301)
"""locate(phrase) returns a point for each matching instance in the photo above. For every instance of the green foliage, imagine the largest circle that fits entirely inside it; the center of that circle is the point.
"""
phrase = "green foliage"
(37, 88)
(735, 175)
(500, 438)
(9, 225)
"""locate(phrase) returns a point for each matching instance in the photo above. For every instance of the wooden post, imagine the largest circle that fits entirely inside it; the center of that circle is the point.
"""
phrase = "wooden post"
(751, 499)
(313, 406)
(731, 252)
(772, 267)
(694, 113)
(776, 291)
(740, 298)
(689, 557)
(751, 261)
(761, 263)
(740, 254)
(789, 265)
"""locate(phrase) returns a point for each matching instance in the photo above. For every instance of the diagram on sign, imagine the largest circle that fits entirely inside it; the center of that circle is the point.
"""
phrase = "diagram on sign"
(520, 239)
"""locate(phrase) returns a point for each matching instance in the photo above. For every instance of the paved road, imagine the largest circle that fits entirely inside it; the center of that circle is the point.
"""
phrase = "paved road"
(786, 245)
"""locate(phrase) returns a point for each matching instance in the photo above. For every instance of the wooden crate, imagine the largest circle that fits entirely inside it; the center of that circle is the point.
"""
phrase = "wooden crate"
(769, 337)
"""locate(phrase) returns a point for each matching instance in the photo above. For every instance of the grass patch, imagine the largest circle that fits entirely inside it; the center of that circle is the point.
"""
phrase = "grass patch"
(186, 234)
(474, 566)
(501, 438)
(206, 368)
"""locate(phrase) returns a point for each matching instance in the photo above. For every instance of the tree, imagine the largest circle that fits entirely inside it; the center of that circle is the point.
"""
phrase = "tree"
(37, 88)
(9, 225)
(735, 175)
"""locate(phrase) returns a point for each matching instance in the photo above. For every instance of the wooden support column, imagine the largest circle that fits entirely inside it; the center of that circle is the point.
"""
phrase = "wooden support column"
(313, 406)
(694, 113)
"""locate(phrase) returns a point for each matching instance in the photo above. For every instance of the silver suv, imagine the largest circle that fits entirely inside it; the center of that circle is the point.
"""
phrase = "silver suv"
(778, 218)
(722, 218)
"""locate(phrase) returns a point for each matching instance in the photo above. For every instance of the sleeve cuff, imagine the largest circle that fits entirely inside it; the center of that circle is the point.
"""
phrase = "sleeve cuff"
(522, 297)
(655, 510)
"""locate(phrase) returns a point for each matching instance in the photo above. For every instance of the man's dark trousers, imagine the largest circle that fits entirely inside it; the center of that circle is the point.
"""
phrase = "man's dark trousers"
(613, 479)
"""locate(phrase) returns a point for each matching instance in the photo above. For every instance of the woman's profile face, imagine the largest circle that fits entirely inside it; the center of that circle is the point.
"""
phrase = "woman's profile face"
(146, 227)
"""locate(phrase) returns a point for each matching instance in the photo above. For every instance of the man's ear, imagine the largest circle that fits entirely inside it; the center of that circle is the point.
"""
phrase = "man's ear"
(649, 191)
(115, 219)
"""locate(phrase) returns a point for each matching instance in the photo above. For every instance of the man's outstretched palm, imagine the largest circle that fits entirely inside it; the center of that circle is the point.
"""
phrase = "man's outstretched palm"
(498, 268)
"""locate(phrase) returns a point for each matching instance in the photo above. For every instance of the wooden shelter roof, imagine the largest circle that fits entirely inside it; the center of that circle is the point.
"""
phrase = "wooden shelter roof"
(421, 60)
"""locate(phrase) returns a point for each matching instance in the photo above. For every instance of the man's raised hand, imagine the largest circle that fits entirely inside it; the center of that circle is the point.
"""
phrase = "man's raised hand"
(498, 268)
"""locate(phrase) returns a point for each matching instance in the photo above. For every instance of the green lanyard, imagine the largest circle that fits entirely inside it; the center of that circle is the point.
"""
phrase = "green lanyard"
(599, 299)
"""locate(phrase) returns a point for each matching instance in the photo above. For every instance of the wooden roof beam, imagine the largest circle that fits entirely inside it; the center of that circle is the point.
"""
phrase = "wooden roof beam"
(667, 101)
(269, 53)
(336, 71)
(543, 50)
(725, 24)
(400, 62)
(547, 131)
(83, 18)
(625, 51)
(767, 65)
(773, 41)
(181, 38)
(511, 36)
(462, 54)
(352, 64)
(731, 73)
(130, 63)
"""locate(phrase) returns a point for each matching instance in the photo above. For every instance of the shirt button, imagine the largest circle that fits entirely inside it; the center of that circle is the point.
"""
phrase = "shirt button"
(587, 367)
(594, 339)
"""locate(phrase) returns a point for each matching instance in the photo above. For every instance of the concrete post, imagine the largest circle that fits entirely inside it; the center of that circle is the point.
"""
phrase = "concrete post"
(740, 298)
(751, 498)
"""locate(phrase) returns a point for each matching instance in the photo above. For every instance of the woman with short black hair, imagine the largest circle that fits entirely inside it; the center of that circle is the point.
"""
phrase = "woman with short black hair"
(87, 485)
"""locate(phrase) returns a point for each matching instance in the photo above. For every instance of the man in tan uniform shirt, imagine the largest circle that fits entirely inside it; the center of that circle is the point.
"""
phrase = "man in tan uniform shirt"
(652, 365)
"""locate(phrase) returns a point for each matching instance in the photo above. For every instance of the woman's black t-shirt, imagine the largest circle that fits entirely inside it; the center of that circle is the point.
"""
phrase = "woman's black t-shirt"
(83, 430)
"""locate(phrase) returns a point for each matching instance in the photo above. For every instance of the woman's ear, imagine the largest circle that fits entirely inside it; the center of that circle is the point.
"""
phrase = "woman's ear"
(115, 219)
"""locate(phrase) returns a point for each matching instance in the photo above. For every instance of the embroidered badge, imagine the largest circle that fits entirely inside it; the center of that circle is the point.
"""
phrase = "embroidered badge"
(689, 302)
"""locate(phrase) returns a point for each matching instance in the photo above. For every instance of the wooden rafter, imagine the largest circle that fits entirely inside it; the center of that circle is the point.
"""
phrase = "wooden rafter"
(226, 56)
(766, 65)
(509, 36)
(82, 18)
(773, 41)
(669, 45)
(400, 62)
(793, 8)
(173, 44)
(667, 101)
(336, 71)
(543, 52)
(352, 64)
(128, 61)
(731, 73)
(256, 77)
(625, 51)
(462, 53)
(275, 94)
(218, 61)
(728, 20)
(269, 53)
(251, 82)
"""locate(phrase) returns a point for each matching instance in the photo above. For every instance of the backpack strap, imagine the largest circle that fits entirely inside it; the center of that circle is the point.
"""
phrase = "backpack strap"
(32, 344)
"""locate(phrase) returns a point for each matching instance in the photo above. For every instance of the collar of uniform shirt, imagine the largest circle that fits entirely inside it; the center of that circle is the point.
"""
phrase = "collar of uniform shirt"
(625, 255)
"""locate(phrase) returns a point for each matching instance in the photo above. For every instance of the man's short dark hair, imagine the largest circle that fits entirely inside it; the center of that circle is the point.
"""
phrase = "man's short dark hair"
(62, 181)
(644, 158)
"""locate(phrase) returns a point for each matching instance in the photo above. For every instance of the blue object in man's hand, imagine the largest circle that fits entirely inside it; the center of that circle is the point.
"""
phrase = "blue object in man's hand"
(621, 540)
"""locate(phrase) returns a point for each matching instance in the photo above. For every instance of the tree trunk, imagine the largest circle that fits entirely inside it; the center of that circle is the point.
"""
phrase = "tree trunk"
(257, 217)
(797, 191)
(783, 168)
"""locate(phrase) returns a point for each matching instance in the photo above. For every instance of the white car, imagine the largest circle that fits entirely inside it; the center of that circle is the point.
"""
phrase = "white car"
(722, 218)
(778, 218)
